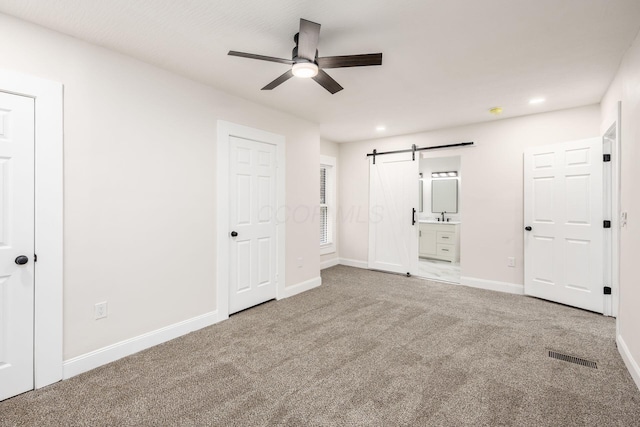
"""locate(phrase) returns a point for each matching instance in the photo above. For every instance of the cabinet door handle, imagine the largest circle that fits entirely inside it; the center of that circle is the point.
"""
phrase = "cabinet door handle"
(413, 216)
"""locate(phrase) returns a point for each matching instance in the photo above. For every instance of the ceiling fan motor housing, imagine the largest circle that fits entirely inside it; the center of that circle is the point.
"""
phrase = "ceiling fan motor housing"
(296, 58)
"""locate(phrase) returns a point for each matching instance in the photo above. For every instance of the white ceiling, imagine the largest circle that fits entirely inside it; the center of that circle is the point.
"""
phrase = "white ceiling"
(445, 63)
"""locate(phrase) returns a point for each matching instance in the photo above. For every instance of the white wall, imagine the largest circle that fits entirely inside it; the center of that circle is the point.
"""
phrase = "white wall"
(492, 223)
(626, 88)
(330, 148)
(139, 185)
(429, 164)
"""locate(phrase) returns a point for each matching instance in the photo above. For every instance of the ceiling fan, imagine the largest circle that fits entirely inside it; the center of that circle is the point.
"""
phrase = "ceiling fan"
(306, 63)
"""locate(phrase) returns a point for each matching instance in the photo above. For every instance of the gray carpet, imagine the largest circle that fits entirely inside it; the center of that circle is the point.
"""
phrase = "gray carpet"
(365, 348)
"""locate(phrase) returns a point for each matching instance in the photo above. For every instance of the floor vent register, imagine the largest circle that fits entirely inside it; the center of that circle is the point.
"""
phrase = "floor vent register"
(573, 359)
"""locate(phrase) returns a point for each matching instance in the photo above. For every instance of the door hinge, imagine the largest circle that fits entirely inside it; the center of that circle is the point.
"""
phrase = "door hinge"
(606, 157)
(35, 257)
(607, 290)
(606, 224)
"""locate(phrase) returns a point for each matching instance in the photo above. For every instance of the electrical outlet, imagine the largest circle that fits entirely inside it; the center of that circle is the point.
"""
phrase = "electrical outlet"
(511, 261)
(100, 310)
(300, 262)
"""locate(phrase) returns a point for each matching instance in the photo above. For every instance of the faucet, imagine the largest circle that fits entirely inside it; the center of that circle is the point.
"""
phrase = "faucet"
(443, 215)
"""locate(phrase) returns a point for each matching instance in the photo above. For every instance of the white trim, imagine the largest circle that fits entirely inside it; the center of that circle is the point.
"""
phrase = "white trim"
(329, 248)
(631, 364)
(329, 263)
(48, 97)
(225, 130)
(613, 121)
(354, 263)
(113, 352)
(298, 288)
(492, 285)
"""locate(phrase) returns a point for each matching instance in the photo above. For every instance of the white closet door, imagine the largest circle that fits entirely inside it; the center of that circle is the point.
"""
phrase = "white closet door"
(563, 216)
(16, 244)
(393, 202)
(252, 214)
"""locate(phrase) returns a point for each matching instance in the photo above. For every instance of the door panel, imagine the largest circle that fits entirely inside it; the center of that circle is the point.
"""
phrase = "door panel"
(252, 215)
(563, 205)
(16, 238)
(393, 239)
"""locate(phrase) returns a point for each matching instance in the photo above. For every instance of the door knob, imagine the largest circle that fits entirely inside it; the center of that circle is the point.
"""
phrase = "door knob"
(22, 260)
(528, 228)
(234, 233)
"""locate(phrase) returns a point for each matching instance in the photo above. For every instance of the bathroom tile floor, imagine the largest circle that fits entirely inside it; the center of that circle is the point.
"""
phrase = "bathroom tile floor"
(439, 270)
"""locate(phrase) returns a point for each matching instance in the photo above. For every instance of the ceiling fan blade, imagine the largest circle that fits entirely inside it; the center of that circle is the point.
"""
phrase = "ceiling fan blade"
(327, 82)
(308, 39)
(277, 82)
(350, 60)
(260, 57)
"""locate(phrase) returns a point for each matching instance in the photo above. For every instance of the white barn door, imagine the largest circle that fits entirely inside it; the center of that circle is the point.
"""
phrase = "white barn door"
(563, 218)
(252, 216)
(393, 202)
(16, 244)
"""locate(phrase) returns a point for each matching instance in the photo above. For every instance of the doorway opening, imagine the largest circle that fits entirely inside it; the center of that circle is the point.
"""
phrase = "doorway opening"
(440, 213)
(251, 234)
(48, 223)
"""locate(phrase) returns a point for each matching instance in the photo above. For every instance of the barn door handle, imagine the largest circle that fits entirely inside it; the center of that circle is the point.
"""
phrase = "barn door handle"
(528, 228)
(234, 233)
(22, 260)
(413, 217)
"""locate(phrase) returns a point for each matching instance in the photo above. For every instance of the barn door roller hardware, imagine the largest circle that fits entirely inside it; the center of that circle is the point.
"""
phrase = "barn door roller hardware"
(413, 150)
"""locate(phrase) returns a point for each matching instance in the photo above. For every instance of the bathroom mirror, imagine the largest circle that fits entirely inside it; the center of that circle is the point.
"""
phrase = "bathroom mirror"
(444, 195)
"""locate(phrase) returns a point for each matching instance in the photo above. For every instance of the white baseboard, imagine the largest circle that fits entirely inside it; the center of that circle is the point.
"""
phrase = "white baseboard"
(492, 285)
(307, 285)
(329, 263)
(113, 352)
(354, 263)
(629, 361)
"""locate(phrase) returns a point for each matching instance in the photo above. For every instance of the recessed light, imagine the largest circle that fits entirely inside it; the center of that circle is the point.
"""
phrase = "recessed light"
(496, 111)
(380, 128)
(536, 101)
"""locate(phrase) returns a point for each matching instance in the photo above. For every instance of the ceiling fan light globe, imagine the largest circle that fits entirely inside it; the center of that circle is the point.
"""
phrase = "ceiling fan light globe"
(304, 70)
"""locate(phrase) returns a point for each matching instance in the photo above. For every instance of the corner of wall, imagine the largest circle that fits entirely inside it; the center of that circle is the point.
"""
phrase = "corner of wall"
(631, 364)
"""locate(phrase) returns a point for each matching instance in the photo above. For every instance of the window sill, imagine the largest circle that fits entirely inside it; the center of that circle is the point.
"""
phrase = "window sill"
(329, 248)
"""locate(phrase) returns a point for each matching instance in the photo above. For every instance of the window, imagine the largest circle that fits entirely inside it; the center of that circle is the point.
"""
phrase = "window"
(327, 204)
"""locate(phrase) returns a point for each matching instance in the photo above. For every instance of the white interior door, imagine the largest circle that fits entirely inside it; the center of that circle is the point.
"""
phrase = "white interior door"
(16, 239)
(563, 200)
(393, 201)
(252, 215)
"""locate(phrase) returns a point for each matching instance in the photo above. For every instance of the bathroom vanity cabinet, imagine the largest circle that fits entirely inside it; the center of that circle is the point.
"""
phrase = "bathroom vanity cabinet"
(440, 240)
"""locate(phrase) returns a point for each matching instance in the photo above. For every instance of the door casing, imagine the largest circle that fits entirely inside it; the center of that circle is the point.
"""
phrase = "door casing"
(48, 99)
(611, 126)
(225, 130)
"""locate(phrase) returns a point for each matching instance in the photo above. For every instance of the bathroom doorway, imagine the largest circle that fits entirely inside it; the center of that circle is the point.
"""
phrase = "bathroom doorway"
(439, 217)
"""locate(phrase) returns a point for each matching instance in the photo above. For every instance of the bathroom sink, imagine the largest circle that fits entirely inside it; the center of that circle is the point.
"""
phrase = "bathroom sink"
(432, 221)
